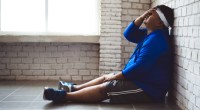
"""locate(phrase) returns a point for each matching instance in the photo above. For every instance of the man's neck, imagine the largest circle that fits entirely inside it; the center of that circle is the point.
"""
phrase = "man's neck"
(151, 30)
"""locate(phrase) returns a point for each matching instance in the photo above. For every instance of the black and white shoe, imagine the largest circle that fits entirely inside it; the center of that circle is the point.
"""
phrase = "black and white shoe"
(67, 86)
(54, 95)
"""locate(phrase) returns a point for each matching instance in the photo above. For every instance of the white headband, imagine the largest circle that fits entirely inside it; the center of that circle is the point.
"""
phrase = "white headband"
(162, 17)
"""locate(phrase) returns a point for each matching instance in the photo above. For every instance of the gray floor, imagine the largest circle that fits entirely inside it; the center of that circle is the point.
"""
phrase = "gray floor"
(27, 95)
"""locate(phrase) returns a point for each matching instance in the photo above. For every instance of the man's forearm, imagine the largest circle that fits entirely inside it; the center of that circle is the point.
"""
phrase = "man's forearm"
(119, 75)
(139, 21)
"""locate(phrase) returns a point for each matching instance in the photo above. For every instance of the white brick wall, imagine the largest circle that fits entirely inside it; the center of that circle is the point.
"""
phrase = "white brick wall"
(110, 40)
(49, 61)
(131, 9)
(187, 36)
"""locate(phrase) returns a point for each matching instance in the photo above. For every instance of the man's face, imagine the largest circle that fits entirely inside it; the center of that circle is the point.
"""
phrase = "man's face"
(152, 19)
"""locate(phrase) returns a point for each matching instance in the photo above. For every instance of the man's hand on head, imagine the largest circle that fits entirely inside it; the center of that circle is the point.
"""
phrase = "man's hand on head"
(141, 18)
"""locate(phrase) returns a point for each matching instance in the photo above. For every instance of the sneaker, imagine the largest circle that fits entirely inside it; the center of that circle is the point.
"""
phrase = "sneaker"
(54, 95)
(67, 86)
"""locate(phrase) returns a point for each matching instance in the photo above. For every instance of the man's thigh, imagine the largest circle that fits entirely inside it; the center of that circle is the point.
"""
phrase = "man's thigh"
(125, 91)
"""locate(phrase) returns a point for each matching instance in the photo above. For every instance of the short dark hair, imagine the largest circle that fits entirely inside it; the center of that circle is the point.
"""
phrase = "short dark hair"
(168, 13)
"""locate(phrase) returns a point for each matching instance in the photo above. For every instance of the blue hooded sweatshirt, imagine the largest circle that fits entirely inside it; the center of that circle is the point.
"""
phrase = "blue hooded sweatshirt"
(149, 65)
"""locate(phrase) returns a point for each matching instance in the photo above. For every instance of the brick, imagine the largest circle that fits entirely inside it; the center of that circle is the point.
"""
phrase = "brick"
(194, 55)
(14, 48)
(195, 8)
(80, 65)
(191, 66)
(65, 78)
(190, 77)
(196, 80)
(4, 60)
(196, 91)
(113, 5)
(94, 60)
(4, 72)
(189, 9)
(34, 66)
(133, 12)
(191, 20)
(126, 5)
(92, 54)
(191, 97)
(133, 0)
(76, 78)
(68, 66)
(39, 48)
(50, 72)
(145, 1)
(2, 66)
(49, 60)
(186, 21)
(61, 72)
(51, 48)
(190, 87)
(137, 6)
(56, 66)
(195, 31)
(92, 66)
(199, 56)
(80, 53)
(115, 1)
(72, 71)
(73, 60)
(190, 105)
(45, 66)
(185, 31)
(27, 60)
(22, 54)
(28, 48)
(196, 108)
(38, 60)
(16, 72)
(27, 72)
(84, 59)
(179, 97)
(110, 51)
(61, 60)
(198, 101)
(186, 42)
(94, 72)
(146, 6)
(84, 72)
(12, 66)
(7, 78)
(23, 66)
(196, 68)
(182, 82)
(11, 54)
(63, 48)
(38, 72)
(68, 54)
(34, 54)
(188, 53)
(184, 11)
(45, 54)
(87, 78)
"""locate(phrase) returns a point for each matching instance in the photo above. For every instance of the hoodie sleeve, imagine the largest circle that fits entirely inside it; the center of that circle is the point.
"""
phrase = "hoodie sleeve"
(134, 34)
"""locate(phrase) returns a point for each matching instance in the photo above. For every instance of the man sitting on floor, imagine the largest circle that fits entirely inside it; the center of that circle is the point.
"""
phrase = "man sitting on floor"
(146, 76)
